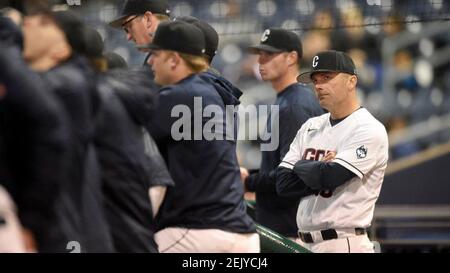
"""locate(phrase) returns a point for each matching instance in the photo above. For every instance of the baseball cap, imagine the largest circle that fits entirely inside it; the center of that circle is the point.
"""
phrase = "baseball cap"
(211, 36)
(138, 7)
(278, 40)
(114, 60)
(178, 36)
(329, 61)
(93, 43)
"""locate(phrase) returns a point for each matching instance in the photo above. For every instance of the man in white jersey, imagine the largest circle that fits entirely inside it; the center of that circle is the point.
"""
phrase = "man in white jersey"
(341, 156)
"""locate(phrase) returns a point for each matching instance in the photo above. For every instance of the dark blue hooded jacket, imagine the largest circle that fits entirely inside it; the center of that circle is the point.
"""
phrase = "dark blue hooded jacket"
(208, 193)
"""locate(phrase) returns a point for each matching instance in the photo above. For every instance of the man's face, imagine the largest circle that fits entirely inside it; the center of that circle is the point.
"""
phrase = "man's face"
(138, 29)
(41, 34)
(332, 88)
(161, 64)
(272, 66)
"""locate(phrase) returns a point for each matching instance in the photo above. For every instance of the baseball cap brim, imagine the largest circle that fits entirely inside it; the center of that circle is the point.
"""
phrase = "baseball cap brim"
(268, 48)
(306, 76)
(117, 23)
(149, 46)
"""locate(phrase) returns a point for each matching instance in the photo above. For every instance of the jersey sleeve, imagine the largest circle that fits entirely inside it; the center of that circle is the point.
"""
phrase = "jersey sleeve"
(363, 150)
(294, 153)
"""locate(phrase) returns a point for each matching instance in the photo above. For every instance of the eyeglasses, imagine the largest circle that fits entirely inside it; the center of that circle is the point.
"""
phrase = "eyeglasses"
(124, 24)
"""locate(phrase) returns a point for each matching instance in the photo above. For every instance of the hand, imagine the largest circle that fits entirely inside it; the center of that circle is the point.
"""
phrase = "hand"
(330, 156)
(244, 174)
(250, 196)
(2, 91)
(29, 241)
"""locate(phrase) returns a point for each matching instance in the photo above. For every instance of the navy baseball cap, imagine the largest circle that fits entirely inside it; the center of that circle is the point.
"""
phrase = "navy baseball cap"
(139, 7)
(114, 60)
(329, 61)
(211, 36)
(178, 36)
(93, 43)
(278, 40)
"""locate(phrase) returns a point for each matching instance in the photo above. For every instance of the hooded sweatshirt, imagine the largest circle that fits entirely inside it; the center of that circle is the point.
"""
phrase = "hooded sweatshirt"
(208, 193)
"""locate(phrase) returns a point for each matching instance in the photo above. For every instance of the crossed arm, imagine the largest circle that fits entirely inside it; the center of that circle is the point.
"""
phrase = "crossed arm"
(310, 177)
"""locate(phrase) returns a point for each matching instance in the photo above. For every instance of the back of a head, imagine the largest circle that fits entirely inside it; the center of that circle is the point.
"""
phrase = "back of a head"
(93, 47)
(210, 34)
(115, 61)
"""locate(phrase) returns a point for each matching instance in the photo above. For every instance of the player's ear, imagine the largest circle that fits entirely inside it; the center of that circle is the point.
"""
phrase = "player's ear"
(352, 81)
(292, 58)
(174, 59)
(148, 19)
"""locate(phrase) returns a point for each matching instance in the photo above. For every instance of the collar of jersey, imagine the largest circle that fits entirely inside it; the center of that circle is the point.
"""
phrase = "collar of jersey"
(334, 122)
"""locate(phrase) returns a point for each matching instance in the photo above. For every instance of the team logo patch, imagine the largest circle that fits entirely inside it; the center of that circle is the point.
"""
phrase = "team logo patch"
(315, 61)
(265, 35)
(361, 152)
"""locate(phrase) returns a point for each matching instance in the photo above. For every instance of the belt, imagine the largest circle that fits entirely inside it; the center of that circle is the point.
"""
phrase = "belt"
(327, 234)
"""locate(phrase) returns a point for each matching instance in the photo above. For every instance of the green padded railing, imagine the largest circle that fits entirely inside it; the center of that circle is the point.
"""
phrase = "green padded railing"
(273, 242)
(251, 204)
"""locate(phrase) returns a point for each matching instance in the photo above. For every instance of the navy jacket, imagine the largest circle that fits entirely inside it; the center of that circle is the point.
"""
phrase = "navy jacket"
(33, 144)
(296, 105)
(81, 209)
(146, 67)
(130, 161)
(208, 193)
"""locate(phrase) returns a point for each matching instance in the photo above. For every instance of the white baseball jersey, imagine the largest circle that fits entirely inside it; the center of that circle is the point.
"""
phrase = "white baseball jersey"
(361, 145)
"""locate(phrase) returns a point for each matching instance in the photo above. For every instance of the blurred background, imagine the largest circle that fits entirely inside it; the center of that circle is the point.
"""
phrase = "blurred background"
(402, 53)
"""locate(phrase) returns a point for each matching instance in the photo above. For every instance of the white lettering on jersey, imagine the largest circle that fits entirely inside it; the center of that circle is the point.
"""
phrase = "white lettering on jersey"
(314, 154)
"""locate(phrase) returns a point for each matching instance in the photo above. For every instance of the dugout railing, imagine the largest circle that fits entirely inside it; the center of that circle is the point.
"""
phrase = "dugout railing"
(271, 241)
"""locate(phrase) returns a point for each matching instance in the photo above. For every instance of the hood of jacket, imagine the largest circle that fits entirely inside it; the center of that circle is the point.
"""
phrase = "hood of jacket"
(229, 93)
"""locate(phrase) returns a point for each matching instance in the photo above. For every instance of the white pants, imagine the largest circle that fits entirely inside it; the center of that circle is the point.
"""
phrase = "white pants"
(10, 229)
(351, 244)
(182, 240)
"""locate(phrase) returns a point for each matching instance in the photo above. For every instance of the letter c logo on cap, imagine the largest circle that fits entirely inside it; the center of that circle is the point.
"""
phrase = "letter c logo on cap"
(265, 35)
(315, 61)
